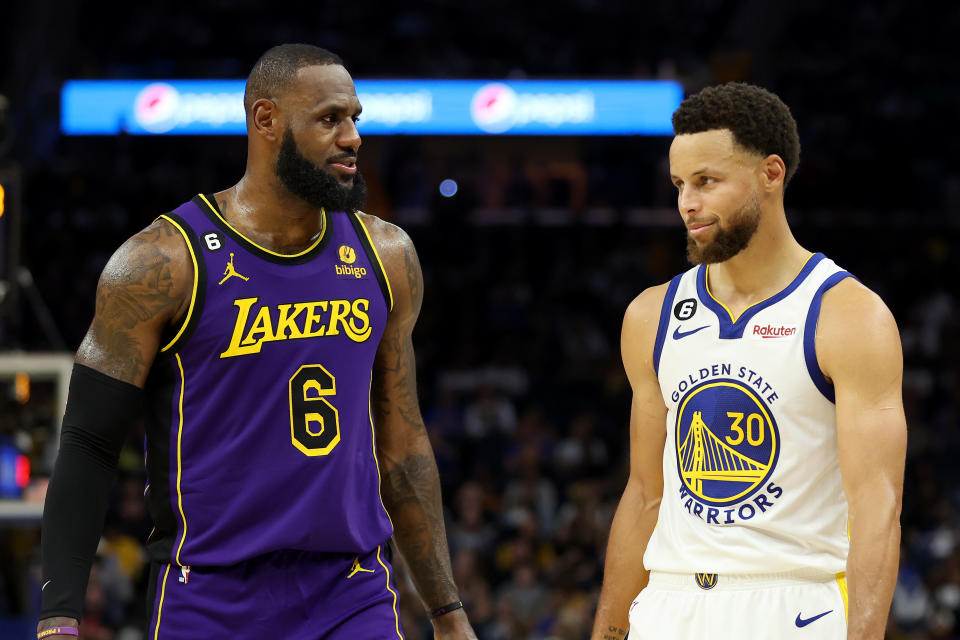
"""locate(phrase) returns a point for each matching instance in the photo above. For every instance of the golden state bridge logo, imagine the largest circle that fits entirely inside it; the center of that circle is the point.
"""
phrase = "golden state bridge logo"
(727, 448)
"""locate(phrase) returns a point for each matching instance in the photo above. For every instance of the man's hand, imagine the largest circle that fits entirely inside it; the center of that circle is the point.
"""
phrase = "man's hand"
(453, 626)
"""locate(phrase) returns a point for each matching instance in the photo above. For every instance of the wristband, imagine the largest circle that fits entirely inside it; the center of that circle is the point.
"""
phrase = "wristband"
(447, 608)
(58, 631)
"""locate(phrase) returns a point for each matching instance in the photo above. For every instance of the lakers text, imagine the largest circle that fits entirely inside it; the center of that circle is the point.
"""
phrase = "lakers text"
(296, 321)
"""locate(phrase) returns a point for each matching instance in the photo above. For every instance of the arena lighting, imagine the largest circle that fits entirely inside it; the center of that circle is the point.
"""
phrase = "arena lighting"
(390, 107)
(448, 188)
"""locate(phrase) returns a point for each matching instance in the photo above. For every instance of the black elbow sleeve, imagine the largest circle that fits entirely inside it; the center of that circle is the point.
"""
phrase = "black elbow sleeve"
(102, 408)
(100, 411)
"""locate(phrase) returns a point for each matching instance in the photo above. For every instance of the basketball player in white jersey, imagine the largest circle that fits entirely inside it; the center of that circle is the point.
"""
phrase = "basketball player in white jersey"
(767, 433)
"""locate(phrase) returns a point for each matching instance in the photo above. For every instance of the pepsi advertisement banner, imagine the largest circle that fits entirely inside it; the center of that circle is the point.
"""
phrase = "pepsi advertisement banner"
(409, 107)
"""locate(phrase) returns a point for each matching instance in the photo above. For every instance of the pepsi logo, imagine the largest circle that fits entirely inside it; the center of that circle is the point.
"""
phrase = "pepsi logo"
(493, 107)
(155, 107)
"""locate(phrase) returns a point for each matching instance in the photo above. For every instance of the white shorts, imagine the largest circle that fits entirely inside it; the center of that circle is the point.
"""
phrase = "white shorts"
(787, 606)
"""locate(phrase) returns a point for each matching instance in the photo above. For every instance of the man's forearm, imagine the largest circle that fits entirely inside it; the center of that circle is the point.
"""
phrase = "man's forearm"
(623, 574)
(872, 571)
(73, 516)
(410, 488)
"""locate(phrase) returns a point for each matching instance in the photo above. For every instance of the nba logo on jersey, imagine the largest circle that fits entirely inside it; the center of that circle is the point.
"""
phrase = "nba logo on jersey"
(727, 448)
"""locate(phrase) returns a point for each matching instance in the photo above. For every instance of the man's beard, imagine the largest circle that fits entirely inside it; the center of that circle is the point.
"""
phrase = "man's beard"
(312, 184)
(727, 242)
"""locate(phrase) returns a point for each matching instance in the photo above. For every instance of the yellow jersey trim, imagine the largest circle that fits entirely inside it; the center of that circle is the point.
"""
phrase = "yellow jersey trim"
(323, 232)
(396, 615)
(183, 516)
(373, 433)
(196, 283)
(842, 583)
(733, 319)
(376, 254)
(163, 592)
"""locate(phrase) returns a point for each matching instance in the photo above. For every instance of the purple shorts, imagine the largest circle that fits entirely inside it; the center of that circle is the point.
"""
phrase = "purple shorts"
(295, 595)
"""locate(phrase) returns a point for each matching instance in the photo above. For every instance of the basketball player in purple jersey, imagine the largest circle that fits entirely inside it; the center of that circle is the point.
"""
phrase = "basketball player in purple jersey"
(267, 331)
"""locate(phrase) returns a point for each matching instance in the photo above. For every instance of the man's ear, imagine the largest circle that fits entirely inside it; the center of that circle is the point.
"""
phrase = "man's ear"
(773, 172)
(264, 120)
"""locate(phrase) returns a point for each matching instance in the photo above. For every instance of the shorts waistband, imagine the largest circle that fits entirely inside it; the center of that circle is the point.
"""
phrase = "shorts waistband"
(723, 582)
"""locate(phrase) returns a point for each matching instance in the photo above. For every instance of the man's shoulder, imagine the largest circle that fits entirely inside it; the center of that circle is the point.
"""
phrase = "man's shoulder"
(639, 331)
(849, 298)
(157, 253)
(400, 261)
(381, 229)
(855, 328)
(161, 235)
(390, 240)
(645, 308)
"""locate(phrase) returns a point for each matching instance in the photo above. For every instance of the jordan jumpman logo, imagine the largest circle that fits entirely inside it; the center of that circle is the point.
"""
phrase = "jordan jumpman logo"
(356, 568)
(230, 271)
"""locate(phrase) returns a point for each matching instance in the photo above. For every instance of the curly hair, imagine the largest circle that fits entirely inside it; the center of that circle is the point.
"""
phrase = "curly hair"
(759, 120)
(277, 69)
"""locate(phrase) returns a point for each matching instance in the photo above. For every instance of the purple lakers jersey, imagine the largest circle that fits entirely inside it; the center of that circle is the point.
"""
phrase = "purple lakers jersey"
(260, 435)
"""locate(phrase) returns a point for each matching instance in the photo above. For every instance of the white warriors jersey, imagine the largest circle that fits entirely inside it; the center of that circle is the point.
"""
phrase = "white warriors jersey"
(751, 472)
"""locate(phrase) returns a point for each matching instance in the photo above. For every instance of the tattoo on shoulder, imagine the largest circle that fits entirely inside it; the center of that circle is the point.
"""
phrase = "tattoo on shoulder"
(614, 633)
(414, 274)
(136, 286)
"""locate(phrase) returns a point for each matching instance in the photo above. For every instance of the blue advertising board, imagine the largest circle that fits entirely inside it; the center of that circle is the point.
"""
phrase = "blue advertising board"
(409, 107)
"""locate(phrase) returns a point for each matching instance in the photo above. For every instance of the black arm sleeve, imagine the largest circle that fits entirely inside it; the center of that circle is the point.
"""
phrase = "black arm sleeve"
(100, 412)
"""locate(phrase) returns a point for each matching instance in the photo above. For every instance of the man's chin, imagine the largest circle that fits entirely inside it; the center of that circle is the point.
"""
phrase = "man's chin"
(345, 180)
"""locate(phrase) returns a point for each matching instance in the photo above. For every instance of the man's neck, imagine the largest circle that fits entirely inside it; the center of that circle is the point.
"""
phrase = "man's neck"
(270, 215)
(764, 268)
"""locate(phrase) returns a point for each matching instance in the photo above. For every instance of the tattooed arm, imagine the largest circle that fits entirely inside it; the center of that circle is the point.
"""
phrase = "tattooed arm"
(144, 287)
(410, 484)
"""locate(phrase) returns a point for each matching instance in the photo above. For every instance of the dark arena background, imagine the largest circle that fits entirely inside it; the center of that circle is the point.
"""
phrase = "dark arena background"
(532, 245)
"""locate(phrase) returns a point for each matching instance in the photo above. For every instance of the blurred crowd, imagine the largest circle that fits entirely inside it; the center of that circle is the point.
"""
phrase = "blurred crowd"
(525, 399)
(528, 269)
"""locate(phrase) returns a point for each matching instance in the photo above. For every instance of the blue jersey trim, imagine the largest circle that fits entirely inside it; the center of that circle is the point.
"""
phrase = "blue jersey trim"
(664, 321)
(731, 329)
(810, 335)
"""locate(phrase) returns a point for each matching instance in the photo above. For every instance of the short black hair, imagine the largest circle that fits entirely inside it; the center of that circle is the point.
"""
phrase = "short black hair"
(759, 120)
(277, 69)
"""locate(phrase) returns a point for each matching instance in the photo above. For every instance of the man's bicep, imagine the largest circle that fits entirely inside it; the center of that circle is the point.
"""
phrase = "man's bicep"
(648, 411)
(141, 290)
(396, 408)
(859, 349)
(395, 405)
(648, 436)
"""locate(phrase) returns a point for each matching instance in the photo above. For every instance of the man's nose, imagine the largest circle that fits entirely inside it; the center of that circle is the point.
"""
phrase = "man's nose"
(688, 201)
(349, 136)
